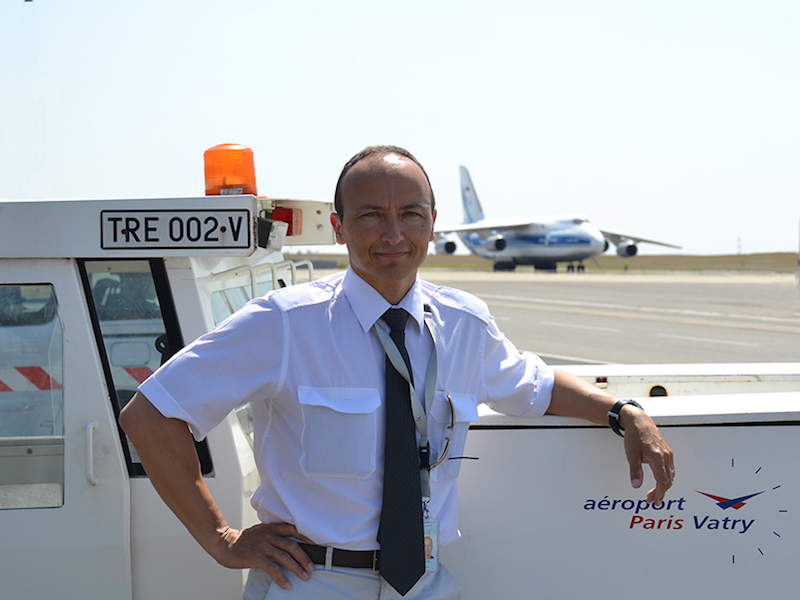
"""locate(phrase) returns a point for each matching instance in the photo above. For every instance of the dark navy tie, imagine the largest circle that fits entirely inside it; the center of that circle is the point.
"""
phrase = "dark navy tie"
(400, 534)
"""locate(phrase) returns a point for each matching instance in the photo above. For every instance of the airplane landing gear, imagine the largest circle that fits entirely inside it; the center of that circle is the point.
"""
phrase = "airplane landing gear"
(504, 265)
(571, 268)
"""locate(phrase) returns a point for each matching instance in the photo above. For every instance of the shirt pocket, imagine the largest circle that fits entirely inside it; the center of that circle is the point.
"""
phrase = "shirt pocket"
(340, 429)
(465, 409)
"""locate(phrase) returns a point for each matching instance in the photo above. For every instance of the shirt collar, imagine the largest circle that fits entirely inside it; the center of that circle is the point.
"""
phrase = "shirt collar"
(368, 305)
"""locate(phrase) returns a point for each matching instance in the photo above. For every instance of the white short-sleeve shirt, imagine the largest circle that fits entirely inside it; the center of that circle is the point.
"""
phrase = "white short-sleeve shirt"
(307, 360)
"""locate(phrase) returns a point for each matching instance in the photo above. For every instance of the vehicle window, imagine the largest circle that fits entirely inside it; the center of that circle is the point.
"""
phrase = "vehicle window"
(131, 325)
(138, 330)
(31, 398)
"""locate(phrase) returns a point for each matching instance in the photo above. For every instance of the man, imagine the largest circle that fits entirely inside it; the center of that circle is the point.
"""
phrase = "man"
(311, 361)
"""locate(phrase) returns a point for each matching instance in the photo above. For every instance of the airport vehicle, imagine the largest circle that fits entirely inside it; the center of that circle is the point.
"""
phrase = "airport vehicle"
(542, 242)
(95, 294)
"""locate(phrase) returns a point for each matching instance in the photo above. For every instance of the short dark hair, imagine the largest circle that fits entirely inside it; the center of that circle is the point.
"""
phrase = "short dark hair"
(376, 151)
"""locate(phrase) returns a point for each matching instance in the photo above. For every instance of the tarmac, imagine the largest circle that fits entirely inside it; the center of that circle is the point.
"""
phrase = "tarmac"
(640, 317)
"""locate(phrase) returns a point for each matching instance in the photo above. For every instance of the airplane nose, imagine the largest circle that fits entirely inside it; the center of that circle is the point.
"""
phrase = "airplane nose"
(599, 244)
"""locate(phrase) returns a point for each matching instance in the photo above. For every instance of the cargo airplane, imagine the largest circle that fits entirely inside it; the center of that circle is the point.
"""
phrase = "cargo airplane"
(541, 242)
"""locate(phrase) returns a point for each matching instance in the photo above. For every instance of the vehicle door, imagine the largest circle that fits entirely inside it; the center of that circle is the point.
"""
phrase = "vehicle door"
(64, 492)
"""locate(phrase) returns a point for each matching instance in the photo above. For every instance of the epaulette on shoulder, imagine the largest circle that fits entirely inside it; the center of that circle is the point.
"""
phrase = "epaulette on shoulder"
(461, 301)
(303, 294)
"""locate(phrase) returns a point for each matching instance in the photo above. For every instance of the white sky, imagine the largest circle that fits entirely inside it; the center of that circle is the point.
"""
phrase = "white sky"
(677, 121)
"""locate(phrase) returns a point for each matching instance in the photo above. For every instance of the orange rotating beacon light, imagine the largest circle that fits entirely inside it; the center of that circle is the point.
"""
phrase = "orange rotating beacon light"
(229, 170)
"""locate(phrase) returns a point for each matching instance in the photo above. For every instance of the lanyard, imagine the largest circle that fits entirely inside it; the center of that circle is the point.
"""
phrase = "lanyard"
(419, 411)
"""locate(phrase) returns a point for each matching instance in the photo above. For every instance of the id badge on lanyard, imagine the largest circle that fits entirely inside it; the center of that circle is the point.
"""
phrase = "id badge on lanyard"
(431, 533)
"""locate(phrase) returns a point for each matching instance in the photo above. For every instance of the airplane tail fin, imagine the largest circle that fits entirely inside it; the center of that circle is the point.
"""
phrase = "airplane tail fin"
(472, 208)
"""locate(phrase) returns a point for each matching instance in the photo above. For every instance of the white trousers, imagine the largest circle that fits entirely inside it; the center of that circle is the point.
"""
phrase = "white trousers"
(341, 583)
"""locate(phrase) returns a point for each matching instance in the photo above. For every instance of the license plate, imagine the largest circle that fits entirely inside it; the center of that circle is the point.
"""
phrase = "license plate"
(175, 229)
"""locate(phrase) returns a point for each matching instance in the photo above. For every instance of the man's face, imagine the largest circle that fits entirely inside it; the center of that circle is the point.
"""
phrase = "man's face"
(387, 222)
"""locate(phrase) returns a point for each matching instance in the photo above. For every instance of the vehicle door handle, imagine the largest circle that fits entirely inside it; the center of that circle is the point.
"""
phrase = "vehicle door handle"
(90, 429)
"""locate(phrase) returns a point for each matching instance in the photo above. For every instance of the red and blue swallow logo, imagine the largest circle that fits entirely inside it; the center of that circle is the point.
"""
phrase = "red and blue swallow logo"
(735, 503)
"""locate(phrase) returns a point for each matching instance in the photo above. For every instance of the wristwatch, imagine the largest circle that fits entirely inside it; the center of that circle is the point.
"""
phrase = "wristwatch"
(613, 415)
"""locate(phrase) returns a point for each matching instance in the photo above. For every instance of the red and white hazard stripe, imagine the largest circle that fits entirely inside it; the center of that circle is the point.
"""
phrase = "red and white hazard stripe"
(27, 379)
(32, 379)
(130, 377)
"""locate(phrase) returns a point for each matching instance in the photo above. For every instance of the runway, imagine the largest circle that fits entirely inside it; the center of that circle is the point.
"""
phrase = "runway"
(641, 318)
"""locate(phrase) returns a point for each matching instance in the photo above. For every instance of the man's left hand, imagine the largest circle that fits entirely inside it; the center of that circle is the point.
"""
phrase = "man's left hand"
(644, 445)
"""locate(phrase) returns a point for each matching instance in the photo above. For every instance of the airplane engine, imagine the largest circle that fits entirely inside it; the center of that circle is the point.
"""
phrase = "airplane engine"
(627, 248)
(444, 246)
(495, 243)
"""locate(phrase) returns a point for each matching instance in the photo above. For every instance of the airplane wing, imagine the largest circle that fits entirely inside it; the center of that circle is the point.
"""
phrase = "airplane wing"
(488, 225)
(618, 238)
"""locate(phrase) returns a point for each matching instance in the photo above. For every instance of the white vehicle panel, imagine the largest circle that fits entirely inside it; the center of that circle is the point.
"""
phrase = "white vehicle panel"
(90, 228)
(54, 554)
(547, 500)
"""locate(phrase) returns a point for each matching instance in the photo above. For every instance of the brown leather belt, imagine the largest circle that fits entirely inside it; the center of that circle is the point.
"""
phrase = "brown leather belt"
(355, 559)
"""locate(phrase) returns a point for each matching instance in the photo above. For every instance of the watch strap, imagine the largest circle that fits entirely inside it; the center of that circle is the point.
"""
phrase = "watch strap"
(613, 415)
